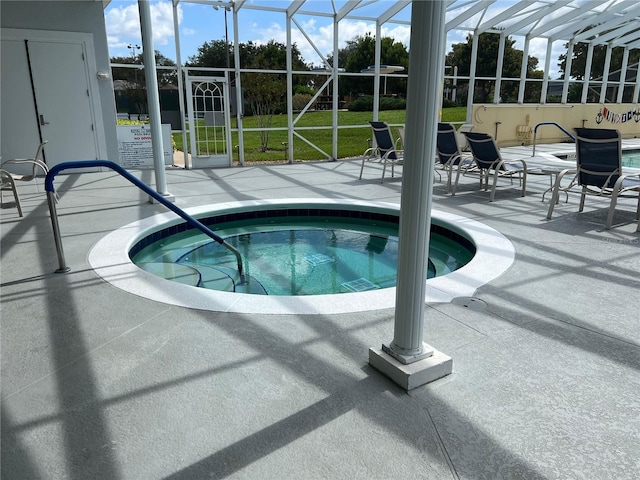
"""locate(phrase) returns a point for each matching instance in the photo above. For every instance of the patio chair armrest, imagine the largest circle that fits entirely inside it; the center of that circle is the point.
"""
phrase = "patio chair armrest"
(6, 180)
(556, 189)
(457, 159)
(399, 154)
(619, 185)
(498, 164)
(563, 173)
(17, 161)
(370, 152)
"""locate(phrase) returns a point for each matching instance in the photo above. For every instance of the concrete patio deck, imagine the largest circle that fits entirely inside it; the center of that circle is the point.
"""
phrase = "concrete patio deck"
(98, 383)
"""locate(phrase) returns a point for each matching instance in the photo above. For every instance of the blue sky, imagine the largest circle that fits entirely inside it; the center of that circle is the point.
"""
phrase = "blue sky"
(199, 23)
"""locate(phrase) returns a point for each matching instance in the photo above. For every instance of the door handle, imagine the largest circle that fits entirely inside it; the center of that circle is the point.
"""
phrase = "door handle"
(42, 122)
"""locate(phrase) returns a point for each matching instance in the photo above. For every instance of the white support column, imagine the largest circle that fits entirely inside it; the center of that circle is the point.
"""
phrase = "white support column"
(153, 97)
(407, 359)
(183, 126)
(289, 92)
(523, 70)
(499, 65)
(587, 73)
(545, 81)
(472, 75)
(376, 76)
(605, 74)
(334, 123)
(636, 90)
(623, 74)
(567, 72)
(239, 102)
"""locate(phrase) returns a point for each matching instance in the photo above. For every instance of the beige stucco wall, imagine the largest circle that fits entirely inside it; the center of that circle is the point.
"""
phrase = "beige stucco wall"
(523, 118)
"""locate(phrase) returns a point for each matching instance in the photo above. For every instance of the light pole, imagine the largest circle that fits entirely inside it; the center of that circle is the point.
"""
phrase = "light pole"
(227, 8)
(133, 48)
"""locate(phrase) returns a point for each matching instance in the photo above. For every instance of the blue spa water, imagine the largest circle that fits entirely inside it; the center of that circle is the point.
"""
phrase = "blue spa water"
(631, 158)
(288, 257)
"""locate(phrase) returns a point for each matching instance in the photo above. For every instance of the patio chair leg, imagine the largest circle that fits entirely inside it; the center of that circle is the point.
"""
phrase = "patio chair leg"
(583, 196)
(555, 195)
(361, 169)
(15, 195)
(384, 168)
(495, 184)
(523, 178)
(455, 185)
(612, 209)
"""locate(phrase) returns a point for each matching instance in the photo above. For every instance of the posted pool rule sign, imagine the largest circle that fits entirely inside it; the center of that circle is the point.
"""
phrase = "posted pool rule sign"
(134, 146)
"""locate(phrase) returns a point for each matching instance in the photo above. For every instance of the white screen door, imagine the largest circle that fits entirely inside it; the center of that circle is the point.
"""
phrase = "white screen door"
(209, 121)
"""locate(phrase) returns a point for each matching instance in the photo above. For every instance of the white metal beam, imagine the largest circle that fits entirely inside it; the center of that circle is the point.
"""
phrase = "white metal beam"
(624, 38)
(605, 74)
(636, 89)
(623, 74)
(294, 7)
(311, 42)
(570, 16)
(347, 8)
(591, 19)
(499, 65)
(547, 65)
(567, 72)
(391, 12)
(587, 73)
(535, 17)
(592, 33)
(467, 14)
(472, 75)
(616, 34)
(523, 69)
(153, 97)
(504, 15)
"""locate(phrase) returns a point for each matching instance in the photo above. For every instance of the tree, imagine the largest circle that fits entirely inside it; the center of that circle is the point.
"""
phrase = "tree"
(133, 79)
(359, 54)
(136, 76)
(265, 92)
(579, 60)
(488, 47)
(214, 54)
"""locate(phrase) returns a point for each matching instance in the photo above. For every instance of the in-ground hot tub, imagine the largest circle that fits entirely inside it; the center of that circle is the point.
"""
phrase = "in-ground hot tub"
(111, 258)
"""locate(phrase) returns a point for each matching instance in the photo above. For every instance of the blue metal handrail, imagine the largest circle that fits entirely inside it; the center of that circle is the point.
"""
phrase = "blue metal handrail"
(535, 132)
(192, 222)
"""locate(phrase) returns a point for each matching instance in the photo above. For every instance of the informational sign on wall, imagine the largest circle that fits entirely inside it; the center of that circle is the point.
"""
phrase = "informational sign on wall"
(134, 146)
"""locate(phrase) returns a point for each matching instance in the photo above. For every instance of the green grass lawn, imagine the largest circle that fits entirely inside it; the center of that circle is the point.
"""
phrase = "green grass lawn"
(352, 142)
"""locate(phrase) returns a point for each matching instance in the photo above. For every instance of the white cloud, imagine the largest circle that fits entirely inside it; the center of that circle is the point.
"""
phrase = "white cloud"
(322, 35)
(123, 23)
(400, 33)
(538, 49)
